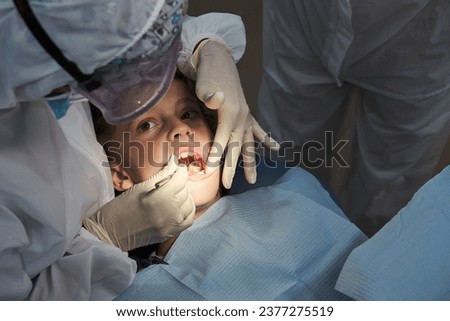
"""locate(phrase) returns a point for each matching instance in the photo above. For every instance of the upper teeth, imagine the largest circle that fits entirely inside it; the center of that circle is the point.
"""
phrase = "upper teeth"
(185, 155)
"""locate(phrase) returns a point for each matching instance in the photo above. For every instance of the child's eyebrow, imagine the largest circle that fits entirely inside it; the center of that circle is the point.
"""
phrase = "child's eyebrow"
(186, 100)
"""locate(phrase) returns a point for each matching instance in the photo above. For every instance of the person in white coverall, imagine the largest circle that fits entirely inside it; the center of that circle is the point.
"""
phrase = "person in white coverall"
(54, 173)
(396, 55)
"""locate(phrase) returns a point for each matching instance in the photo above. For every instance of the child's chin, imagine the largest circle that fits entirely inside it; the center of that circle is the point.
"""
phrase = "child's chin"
(198, 190)
(202, 192)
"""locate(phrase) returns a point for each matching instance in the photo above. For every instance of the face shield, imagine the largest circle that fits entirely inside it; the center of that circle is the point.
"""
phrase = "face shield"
(136, 80)
(124, 90)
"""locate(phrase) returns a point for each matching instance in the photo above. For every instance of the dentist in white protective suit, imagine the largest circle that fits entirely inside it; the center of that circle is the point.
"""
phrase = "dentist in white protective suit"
(122, 56)
(397, 55)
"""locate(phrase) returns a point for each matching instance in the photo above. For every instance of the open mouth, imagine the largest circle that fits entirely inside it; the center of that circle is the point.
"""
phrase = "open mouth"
(194, 163)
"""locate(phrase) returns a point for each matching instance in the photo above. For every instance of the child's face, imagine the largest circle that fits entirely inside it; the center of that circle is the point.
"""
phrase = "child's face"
(176, 126)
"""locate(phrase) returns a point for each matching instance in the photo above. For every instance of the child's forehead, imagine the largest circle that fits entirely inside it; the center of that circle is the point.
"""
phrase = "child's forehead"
(177, 90)
(176, 98)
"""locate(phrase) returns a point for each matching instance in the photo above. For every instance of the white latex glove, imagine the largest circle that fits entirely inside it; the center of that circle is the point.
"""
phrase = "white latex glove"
(219, 87)
(148, 213)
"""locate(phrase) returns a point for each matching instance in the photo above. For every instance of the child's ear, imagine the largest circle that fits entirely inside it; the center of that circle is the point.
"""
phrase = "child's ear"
(121, 179)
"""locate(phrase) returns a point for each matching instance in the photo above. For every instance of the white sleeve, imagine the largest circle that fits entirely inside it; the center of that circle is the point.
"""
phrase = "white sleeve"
(89, 270)
(225, 28)
(48, 185)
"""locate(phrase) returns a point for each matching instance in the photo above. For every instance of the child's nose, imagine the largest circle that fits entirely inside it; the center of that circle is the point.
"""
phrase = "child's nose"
(179, 130)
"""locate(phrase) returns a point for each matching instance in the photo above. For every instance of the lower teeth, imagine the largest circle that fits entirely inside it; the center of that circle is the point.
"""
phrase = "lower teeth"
(195, 167)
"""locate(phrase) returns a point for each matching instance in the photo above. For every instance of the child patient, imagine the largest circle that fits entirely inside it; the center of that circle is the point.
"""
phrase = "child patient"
(177, 126)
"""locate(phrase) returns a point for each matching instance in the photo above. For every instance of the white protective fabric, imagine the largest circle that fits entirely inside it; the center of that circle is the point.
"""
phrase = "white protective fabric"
(91, 34)
(396, 52)
(287, 241)
(408, 259)
(50, 181)
(53, 175)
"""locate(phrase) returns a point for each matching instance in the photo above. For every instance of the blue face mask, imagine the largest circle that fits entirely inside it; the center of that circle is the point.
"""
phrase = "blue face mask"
(59, 105)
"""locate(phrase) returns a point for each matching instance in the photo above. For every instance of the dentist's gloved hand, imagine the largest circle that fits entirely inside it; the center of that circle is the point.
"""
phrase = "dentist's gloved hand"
(148, 213)
(219, 87)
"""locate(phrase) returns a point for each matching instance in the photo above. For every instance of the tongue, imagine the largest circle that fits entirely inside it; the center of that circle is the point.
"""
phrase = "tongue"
(194, 163)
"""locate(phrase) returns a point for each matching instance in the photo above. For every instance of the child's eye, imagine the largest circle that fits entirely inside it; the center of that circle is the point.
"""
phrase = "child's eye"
(146, 125)
(189, 114)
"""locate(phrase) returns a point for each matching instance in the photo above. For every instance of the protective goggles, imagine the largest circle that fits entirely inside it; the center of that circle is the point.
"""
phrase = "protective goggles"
(123, 89)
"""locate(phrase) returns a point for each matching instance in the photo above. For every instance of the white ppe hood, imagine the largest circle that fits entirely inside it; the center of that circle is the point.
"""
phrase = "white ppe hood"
(89, 33)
